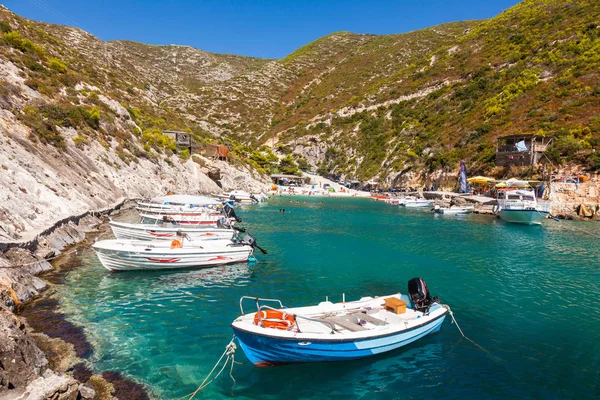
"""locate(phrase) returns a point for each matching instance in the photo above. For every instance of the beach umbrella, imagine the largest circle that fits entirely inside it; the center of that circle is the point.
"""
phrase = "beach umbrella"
(513, 182)
(481, 180)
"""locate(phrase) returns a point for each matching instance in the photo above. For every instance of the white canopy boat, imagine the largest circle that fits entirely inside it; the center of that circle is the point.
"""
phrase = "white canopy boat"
(337, 332)
(131, 255)
(520, 206)
(168, 231)
(453, 210)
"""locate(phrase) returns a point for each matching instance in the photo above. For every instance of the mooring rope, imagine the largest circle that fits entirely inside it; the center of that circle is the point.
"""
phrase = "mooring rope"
(447, 307)
(572, 228)
(230, 353)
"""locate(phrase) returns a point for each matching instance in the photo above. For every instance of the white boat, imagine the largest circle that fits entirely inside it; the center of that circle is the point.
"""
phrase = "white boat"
(453, 210)
(168, 231)
(520, 206)
(240, 196)
(402, 200)
(417, 203)
(335, 331)
(131, 255)
(178, 202)
(182, 219)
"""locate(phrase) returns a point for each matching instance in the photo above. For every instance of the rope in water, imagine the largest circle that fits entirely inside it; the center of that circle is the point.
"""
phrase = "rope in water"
(447, 307)
(230, 353)
(572, 228)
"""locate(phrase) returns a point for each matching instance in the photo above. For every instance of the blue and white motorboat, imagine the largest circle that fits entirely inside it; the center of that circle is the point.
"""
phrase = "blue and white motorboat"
(337, 331)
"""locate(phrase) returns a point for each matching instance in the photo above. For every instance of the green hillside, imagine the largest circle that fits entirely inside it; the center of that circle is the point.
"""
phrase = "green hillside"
(361, 106)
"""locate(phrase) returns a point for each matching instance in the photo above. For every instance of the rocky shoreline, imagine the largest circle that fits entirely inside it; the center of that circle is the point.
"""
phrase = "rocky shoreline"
(42, 355)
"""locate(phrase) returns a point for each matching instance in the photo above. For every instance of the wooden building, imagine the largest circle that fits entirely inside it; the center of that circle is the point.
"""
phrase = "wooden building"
(218, 151)
(521, 150)
(184, 140)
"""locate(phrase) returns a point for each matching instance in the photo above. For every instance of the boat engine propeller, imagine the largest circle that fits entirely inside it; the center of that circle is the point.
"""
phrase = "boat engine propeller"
(419, 295)
(251, 241)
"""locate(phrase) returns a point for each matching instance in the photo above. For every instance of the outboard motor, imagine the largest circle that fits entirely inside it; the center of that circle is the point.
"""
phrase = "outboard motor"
(250, 241)
(229, 212)
(419, 295)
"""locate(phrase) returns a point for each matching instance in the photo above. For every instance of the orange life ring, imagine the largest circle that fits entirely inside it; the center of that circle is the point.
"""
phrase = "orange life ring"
(274, 319)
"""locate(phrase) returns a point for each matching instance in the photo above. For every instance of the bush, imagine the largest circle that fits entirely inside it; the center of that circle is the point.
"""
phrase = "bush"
(184, 154)
(92, 117)
(5, 27)
(57, 65)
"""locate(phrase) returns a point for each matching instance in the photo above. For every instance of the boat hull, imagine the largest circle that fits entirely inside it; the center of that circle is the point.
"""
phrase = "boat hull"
(526, 217)
(267, 350)
(121, 256)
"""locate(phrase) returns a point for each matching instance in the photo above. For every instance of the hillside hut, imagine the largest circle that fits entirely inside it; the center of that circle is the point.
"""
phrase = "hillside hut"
(521, 150)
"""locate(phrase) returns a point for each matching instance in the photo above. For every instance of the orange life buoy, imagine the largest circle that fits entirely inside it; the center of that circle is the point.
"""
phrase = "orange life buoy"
(176, 244)
(274, 319)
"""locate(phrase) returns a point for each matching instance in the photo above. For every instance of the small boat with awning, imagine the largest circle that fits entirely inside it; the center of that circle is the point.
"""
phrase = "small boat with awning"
(336, 331)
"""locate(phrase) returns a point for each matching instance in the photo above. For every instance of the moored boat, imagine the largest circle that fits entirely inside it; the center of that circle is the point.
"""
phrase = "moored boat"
(240, 196)
(128, 255)
(520, 206)
(337, 332)
(416, 203)
(168, 231)
(453, 210)
(183, 219)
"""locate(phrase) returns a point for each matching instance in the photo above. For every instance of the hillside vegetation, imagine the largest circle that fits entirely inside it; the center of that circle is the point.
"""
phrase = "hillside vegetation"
(361, 106)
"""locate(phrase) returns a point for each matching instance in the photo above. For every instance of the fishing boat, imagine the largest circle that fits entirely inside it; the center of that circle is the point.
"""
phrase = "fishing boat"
(168, 231)
(453, 210)
(182, 219)
(177, 203)
(131, 255)
(416, 203)
(211, 218)
(336, 331)
(240, 196)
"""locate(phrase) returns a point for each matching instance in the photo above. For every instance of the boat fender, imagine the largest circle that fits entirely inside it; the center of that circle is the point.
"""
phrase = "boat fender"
(495, 208)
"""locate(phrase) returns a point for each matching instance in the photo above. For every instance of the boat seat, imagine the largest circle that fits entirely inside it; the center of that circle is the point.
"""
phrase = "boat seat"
(348, 322)
(371, 319)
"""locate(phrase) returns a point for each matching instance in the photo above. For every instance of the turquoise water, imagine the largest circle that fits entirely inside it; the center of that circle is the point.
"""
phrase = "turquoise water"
(527, 295)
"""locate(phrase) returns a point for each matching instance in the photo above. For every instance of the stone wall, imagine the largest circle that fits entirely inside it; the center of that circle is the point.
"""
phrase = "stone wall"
(566, 198)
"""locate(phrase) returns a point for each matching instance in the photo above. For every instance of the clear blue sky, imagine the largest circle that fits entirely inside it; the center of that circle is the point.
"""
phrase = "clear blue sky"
(259, 28)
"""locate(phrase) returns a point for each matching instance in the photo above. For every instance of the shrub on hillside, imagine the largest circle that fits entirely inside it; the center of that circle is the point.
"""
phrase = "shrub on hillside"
(57, 65)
